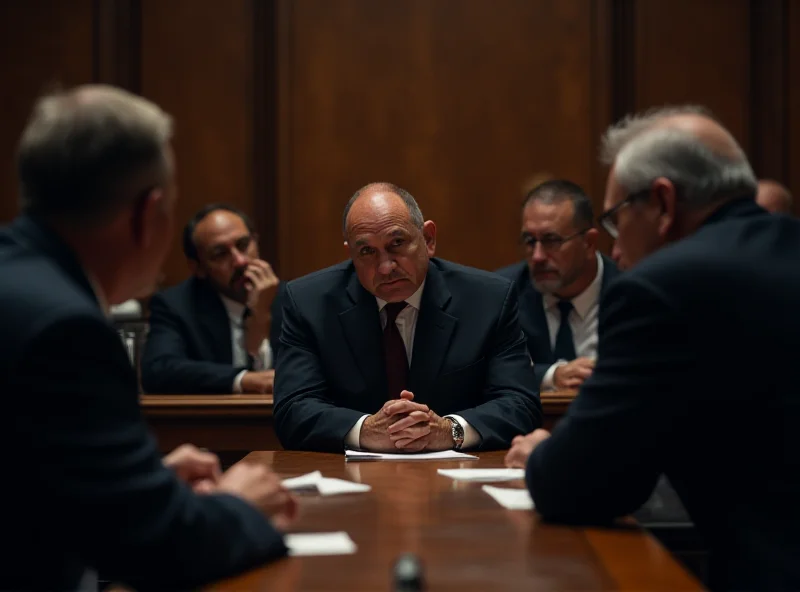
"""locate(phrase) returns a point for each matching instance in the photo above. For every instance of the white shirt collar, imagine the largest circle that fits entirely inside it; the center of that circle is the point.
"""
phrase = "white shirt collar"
(413, 300)
(584, 301)
(235, 309)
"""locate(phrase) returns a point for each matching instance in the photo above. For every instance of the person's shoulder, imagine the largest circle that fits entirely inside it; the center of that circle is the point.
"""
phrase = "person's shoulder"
(465, 276)
(178, 293)
(321, 280)
(35, 293)
(513, 272)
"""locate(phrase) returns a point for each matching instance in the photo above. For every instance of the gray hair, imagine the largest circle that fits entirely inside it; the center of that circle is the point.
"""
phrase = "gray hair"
(413, 208)
(87, 152)
(642, 151)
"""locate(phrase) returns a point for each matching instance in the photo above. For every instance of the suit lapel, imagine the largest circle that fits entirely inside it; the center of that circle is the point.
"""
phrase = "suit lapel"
(214, 323)
(532, 317)
(361, 325)
(432, 336)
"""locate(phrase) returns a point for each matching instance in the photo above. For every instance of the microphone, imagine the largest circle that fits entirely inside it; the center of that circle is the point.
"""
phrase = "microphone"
(408, 576)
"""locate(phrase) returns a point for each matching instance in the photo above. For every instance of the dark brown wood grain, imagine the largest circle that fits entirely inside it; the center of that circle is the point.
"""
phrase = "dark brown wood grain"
(466, 541)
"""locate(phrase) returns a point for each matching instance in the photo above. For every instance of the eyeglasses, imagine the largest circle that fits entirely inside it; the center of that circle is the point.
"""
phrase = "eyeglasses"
(550, 244)
(608, 219)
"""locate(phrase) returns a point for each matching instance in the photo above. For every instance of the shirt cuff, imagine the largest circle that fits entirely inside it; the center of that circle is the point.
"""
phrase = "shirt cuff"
(353, 437)
(471, 435)
(237, 382)
(549, 376)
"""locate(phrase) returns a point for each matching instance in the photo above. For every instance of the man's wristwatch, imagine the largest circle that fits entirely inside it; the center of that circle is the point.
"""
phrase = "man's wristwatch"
(457, 432)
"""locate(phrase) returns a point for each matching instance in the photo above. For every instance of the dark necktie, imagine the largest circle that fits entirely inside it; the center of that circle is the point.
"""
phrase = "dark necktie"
(394, 352)
(565, 344)
(246, 315)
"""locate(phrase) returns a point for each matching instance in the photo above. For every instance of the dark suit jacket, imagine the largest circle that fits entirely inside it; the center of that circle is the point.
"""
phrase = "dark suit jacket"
(188, 348)
(469, 357)
(85, 485)
(696, 379)
(531, 312)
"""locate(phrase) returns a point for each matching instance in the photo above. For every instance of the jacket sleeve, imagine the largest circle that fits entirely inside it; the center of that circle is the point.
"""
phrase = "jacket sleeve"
(166, 366)
(106, 488)
(605, 455)
(305, 418)
(512, 406)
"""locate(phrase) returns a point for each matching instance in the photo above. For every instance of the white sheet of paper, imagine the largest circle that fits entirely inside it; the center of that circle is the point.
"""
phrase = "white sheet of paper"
(512, 499)
(350, 455)
(319, 543)
(483, 474)
(324, 485)
(307, 481)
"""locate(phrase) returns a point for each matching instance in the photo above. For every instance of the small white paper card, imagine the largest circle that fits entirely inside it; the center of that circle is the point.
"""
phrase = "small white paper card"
(319, 543)
(511, 499)
(353, 455)
(307, 481)
(324, 485)
(483, 474)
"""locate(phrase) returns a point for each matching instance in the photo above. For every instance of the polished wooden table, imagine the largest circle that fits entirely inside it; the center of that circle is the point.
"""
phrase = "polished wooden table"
(466, 541)
(241, 423)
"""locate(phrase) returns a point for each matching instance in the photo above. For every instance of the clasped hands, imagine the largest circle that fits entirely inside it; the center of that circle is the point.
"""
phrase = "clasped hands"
(254, 483)
(402, 425)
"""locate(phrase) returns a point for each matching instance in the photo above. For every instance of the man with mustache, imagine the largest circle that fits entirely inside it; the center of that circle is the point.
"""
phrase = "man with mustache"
(397, 351)
(211, 333)
(560, 283)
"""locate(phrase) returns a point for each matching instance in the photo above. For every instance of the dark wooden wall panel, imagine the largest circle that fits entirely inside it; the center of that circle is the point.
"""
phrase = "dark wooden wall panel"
(793, 85)
(197, 63)
(694, 51)
(42, 43)
(458, 101)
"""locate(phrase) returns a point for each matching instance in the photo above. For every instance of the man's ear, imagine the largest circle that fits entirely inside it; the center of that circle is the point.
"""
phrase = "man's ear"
(346, 248)
(591, 238)
(429, 234)
(147, 208)
(665, 192)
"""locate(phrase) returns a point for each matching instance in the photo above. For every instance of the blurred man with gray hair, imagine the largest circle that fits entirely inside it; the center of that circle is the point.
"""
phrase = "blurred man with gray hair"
(90, 491)
(700, 335)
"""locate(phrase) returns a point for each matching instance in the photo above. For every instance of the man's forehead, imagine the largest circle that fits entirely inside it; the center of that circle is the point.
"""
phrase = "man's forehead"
(365, 235)
(556, 214)
(220, 228)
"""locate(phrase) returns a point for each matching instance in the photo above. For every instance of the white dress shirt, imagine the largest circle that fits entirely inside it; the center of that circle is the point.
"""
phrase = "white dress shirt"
(407, 325)
(262, 361)
(582, 320)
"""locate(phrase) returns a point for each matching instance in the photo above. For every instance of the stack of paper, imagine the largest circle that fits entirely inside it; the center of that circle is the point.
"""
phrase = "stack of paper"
(321, 543)
(324, 485)
(483, 474)
(511, 499)
(351, 455)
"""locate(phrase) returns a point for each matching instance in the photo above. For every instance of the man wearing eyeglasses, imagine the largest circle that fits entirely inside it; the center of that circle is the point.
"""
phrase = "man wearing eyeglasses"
(699, 345)
(211, 333)
(560, 283)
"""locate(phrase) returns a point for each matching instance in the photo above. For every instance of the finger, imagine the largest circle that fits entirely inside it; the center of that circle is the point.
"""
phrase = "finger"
(407, 395)
(203, 486)
(584, 373)
(411, 419)
(404, 406)
(413, 433)
(572, 382)
(256, 276)
(413, 445)
(517, 439)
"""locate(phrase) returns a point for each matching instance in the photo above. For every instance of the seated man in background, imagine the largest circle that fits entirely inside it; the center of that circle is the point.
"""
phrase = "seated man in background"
(708, 270)
(211, 333)
(774, 197)
(394, 351)
(86, 488)
(560, 283)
